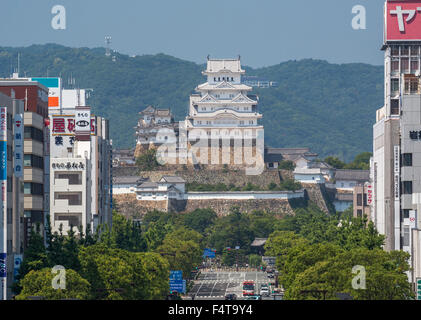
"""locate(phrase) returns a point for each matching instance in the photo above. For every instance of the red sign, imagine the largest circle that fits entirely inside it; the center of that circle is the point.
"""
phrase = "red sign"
(403, 20)
(65, 125)
(369, 194)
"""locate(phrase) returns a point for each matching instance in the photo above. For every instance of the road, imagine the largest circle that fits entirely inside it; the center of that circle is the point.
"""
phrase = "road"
(214, 285)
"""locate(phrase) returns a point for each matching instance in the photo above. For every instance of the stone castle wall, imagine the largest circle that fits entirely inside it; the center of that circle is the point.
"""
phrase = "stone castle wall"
(222, 207)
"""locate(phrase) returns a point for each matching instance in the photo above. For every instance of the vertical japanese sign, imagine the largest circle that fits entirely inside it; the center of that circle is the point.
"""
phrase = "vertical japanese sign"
(83, 123)
(18, 144)
(369, 194)
(396, 172)
(397, 207)
(3, 199)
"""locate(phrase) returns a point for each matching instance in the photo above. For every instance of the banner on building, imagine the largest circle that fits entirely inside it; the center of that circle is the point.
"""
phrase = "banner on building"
(3, 198)
(403, 21)
(18, 144)
(65, 125)
(82, 120)
(396, 171)
(54, 91)
(369, 194)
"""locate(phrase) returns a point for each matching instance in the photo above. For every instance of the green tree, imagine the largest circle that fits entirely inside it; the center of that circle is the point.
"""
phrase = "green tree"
(385, 276)
(231, 231)
(34, 259)
(287, 165)
(157, 270)
(114, 274)
(39, 283)
(147, 161)
(279, 243)
(182, 250)
(335, 162)
(255, 260)
(200, 219)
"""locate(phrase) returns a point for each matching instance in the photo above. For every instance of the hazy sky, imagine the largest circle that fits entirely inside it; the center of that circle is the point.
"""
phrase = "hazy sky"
(264, 32)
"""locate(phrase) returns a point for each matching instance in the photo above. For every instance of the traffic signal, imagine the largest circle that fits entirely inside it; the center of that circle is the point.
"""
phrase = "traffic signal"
(418, 289)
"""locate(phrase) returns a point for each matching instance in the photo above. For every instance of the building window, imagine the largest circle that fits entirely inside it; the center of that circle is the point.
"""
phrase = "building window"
(394, 105)
(33, 188)
(414, 51)
(395, 66)
(395, 51)
(414, 66)
(395, 86)
(405, 65)
(406, 187)
(359, 199)
(365, 199)
(359, 213)
(33, 133)
(31, 160)
(405, 51)
(407, 160)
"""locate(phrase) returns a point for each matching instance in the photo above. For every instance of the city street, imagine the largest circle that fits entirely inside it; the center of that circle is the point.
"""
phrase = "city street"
(214, 285)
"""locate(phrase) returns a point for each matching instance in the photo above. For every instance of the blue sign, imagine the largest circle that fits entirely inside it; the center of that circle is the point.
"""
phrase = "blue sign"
(18, 262)
(176, 275)
(178, 286)
(3, 265)
(209, 253)
(3, 160)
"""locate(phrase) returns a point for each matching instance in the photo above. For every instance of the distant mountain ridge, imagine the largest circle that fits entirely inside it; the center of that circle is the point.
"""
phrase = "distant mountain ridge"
(327, 107)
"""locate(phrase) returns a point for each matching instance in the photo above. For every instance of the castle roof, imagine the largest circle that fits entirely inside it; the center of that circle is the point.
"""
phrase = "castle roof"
(224, 65)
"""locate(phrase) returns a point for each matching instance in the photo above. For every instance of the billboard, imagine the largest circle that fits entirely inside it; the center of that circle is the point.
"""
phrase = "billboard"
(65, 125)
(403, 21)
(54, 91)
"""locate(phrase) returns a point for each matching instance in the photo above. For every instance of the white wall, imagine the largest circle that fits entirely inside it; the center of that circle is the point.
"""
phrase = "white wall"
(252, 195)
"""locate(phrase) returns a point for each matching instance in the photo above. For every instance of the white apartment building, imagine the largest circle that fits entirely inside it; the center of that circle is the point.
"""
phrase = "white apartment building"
(80, 165)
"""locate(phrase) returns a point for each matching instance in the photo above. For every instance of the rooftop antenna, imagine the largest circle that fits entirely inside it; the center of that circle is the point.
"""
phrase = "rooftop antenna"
(108, 46)
(18, 63)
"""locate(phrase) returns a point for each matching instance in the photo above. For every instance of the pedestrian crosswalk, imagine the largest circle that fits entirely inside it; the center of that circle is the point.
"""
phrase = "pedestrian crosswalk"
(234, 280)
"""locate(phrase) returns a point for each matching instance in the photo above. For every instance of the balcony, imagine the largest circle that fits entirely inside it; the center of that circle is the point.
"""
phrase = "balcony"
(62, 205)
(62, 185)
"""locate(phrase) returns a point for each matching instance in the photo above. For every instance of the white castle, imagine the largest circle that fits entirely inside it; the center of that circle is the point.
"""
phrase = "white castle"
(223, 102)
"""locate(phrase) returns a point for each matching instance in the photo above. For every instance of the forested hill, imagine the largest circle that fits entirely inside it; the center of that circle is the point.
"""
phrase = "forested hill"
(327, 107)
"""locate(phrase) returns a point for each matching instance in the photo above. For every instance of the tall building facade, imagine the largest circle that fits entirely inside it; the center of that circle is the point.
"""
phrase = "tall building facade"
(396, 162)
(80, 165)
(35, 111)
(12, 196)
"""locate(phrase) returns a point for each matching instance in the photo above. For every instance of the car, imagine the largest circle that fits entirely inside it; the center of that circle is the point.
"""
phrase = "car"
(231, 296)
(271, 275)
(255, 297)
(264, 290)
